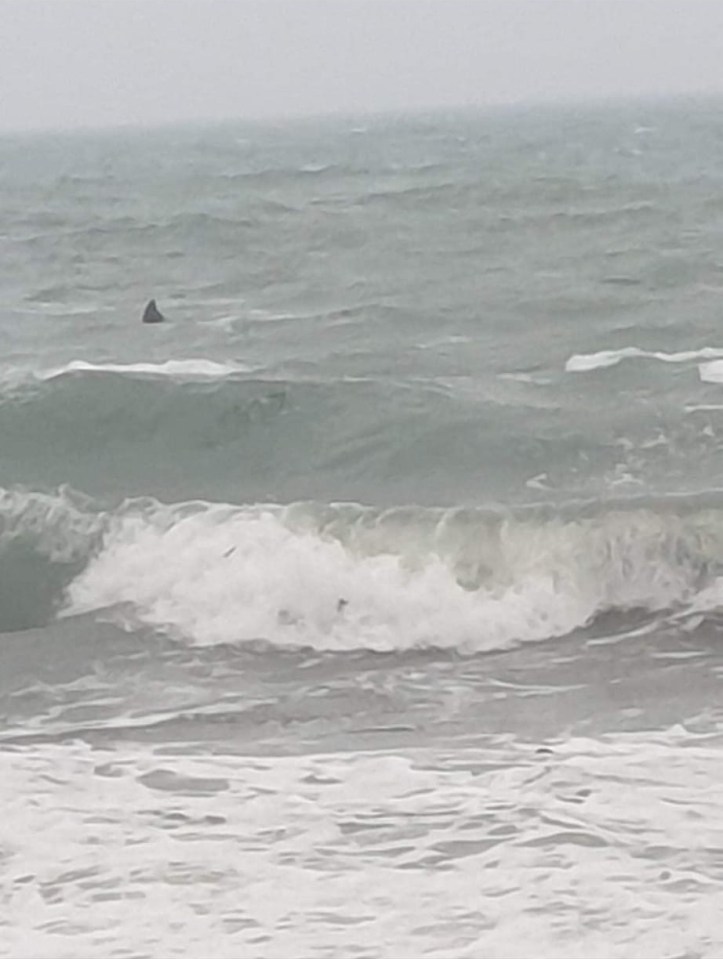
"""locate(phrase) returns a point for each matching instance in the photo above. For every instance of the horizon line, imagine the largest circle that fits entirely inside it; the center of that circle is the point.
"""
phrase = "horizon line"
(260, 120)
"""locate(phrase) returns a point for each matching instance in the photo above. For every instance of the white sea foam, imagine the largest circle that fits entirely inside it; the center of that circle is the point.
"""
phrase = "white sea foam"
(213, 575)
(605, 848)
(586, 362)
(55, 525)
(711, 372)
(175, 369)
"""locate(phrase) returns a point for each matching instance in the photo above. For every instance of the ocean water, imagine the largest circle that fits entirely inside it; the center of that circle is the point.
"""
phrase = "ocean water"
(372, 605)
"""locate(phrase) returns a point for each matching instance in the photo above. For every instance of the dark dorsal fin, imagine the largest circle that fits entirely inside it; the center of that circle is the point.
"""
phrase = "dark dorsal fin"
(152, 314)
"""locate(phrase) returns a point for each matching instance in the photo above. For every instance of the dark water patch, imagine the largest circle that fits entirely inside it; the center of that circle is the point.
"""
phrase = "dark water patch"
(31, 587)
(166, 780)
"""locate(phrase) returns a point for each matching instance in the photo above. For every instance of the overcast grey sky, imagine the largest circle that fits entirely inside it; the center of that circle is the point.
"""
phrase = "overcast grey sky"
(69, 63)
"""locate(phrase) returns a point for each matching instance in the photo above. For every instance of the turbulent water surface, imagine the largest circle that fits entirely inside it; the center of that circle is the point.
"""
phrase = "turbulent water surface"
(371, 605)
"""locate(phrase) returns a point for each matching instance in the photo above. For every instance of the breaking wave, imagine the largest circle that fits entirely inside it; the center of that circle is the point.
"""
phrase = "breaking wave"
(346, 577)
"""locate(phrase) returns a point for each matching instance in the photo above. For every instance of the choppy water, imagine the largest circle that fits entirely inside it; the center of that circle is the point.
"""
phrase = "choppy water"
(371, 605)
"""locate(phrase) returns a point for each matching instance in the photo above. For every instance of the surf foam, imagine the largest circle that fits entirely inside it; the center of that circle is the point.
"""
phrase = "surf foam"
(175, 369)
(348, 578)
(16, 377)
(711, 372)
(586, 362)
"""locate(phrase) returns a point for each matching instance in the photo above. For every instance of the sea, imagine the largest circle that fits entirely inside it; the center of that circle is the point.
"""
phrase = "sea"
(371, 606)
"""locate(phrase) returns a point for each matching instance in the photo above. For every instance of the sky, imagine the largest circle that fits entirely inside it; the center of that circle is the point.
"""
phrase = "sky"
(98, 63)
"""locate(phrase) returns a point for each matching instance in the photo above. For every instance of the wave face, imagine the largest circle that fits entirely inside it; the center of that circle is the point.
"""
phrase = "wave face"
(183, 429)
(346, 577)
(214, 429)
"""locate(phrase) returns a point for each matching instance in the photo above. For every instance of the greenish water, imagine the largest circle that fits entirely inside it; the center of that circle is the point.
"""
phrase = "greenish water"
(370, 604)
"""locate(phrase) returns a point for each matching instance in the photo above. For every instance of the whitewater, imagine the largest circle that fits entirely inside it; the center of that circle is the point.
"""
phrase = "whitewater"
(370, 605)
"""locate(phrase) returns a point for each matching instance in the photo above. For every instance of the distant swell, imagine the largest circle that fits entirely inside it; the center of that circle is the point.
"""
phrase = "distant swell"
(346, 577)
